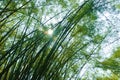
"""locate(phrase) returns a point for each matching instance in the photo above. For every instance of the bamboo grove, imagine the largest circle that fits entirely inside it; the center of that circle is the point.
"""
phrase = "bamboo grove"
(28, 52)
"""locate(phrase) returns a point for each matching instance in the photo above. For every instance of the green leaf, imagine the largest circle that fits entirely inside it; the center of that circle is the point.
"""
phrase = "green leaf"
(117, 6)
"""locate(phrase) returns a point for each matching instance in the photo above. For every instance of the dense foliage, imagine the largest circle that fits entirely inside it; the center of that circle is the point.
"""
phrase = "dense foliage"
(58, 39)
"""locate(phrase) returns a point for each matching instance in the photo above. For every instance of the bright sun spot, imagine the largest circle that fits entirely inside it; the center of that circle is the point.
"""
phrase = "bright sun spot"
(50, 31)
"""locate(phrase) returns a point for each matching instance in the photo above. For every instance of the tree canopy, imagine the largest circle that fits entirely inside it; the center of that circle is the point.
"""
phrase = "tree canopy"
(59, 40)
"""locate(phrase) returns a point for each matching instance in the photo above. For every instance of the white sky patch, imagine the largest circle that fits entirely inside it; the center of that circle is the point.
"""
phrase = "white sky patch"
(106, 20)
(80, 1)
(107, 51)
(106, 13)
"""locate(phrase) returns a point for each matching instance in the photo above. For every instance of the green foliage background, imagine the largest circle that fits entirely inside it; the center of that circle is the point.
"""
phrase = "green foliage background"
(28, 52)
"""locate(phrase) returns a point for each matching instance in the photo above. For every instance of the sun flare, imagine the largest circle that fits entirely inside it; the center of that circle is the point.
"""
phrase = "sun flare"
(50, 31)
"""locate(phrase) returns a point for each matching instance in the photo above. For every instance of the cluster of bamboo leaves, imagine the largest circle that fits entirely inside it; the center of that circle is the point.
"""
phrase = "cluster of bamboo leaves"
(28, 53)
